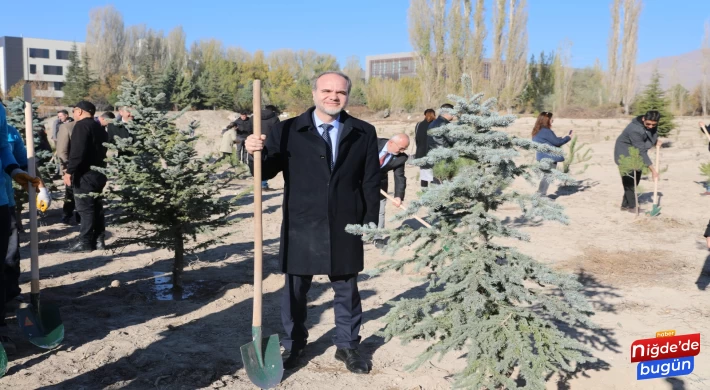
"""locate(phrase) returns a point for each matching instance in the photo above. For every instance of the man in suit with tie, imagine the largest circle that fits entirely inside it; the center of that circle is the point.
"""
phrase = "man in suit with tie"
(331, 177)
(392, 158)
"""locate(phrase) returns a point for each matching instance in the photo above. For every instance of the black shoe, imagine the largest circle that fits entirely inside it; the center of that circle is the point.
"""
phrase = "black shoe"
(77, 247)
(77, 217)
(66, 220)
(101, 243)
(353, 361)
(379, 244)
(292, 358)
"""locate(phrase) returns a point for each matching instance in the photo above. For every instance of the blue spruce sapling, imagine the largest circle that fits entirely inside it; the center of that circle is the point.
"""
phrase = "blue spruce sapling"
(503, 307)
(164, 194)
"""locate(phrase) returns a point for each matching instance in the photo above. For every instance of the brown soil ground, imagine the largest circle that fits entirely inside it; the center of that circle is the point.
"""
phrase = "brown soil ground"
(642, 275)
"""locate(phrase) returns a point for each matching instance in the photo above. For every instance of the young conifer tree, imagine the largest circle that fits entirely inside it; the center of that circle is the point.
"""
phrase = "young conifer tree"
(43, 151)
(501, 306)
(164, 194)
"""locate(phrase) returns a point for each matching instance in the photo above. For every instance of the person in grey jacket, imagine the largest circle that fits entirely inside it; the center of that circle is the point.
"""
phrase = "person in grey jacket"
(642, 134)
(542, 133)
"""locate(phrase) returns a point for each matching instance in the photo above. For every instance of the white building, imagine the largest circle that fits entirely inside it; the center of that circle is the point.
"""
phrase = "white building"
(40, 61)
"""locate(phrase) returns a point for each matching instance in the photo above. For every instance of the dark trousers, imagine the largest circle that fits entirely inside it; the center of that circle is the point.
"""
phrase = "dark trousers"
(91, 211)
(12, 259)
(5, 221)
(242, 154)
(69, 204)
(629, 200)
(348, 311)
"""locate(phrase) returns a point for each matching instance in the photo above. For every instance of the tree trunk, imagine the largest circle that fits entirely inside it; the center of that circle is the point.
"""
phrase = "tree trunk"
(636, 195)
(179, 263)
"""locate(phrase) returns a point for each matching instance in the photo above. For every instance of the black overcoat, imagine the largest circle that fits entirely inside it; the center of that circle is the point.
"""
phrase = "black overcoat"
(317, 205)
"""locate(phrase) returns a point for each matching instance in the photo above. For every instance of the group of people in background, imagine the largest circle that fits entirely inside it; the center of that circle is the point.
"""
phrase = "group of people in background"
(236, 132)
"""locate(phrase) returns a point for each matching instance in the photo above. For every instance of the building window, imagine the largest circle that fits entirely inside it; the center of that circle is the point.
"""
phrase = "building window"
(63, 54)
(33, 69)
(53, 70)
(39, 53)
(58, 86)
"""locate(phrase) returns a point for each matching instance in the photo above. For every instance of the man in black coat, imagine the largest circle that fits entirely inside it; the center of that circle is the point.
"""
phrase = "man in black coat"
(87, 150)
(331, 179)
(392, 158)
(421, 138)
(244, 129)
(269, 119)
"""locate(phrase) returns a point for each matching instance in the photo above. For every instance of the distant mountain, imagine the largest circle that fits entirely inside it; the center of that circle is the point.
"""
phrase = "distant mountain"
(685, 69)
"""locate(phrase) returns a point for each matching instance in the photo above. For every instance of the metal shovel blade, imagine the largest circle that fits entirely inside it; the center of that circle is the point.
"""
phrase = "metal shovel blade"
(262, 360)
(42, 324)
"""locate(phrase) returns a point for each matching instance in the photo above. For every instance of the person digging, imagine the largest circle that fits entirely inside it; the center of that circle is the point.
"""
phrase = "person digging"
(642, 134)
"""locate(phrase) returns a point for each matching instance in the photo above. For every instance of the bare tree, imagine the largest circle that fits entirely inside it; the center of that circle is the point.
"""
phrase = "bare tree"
(440, 40)
(354, 70)
(177, 52)
(516, 70)
(612, 81)
(706, 68)
(105, 41)
(497, 73)
(457, 33)
(476, 67)
(632, 11)
(420, 36)
(562, 69)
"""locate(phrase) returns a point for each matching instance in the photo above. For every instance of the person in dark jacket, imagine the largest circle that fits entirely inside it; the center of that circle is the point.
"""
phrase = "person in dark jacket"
(706, 131)
(269, 118)
(331, 179)
(87, 150)
(120, 130)
(642, 134)
(244, 129)
(542, 133)
(421, 138)
(392, 158)
(433, 142)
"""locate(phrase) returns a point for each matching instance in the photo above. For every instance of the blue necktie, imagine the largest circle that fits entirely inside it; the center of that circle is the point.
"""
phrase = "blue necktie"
(328, 143)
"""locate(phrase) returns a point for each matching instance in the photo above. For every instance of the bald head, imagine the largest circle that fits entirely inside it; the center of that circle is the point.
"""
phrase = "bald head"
(398, 144)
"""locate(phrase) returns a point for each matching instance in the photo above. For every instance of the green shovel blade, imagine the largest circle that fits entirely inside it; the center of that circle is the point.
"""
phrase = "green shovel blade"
(262, 360)
(3, 361)
(655, 211)
(42, 324)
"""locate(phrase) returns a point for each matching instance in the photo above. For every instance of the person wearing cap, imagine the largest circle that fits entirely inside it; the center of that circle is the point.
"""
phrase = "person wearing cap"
(86, 150)
(12, 169)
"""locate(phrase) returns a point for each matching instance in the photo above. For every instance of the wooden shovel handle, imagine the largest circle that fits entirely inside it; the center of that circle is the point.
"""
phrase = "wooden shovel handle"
(31, 163)
(705, 132)
(423, 222)
(655, 181)
(258, 236)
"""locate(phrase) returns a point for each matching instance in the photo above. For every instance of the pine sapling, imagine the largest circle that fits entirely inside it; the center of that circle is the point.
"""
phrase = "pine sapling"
(575, 155)
(504, 308)
(631, 166)
(164, 194)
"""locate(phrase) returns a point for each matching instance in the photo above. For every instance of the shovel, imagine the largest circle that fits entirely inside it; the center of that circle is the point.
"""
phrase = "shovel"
(423, 222)
(656, 208)
(262, 356)
(40, 322)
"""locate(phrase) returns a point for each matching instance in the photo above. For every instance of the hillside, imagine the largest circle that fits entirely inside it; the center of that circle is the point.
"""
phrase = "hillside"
(685, 69)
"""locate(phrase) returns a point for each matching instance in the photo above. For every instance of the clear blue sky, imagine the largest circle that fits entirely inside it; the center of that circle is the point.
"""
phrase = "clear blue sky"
(363, 27)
